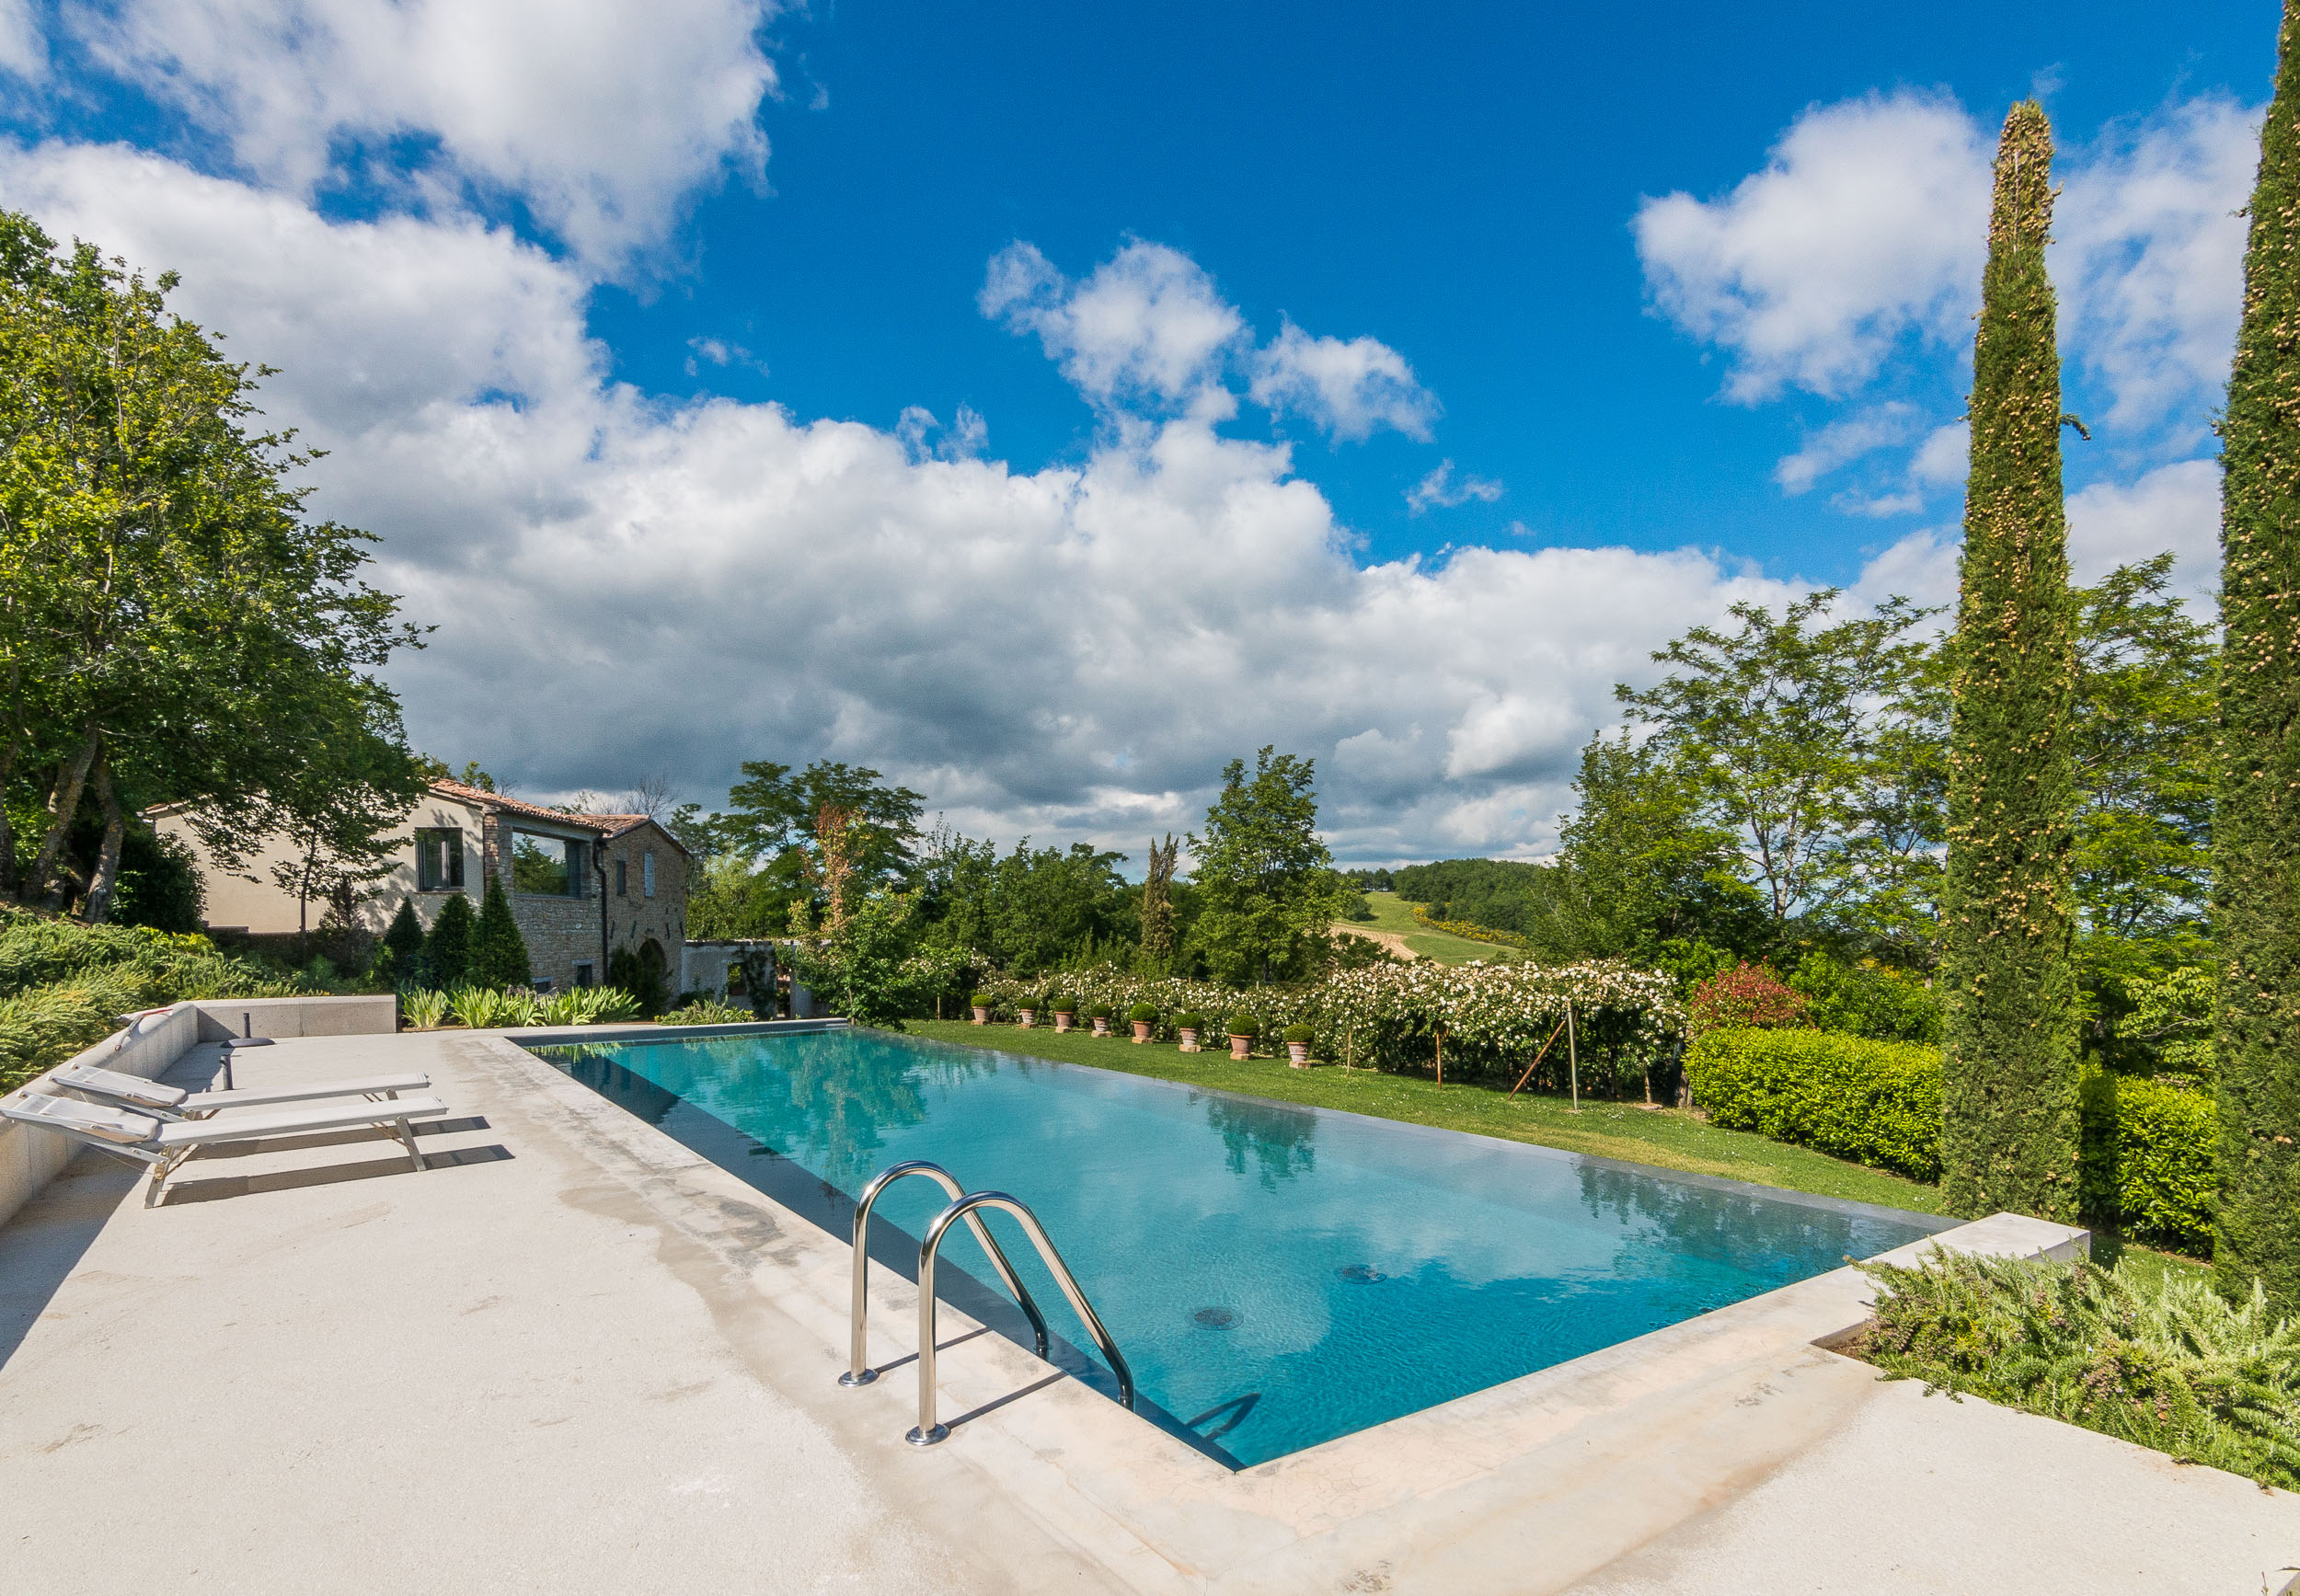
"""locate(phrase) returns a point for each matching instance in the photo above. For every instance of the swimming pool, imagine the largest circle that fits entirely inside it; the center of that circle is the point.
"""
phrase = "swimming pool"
(1276, 1276)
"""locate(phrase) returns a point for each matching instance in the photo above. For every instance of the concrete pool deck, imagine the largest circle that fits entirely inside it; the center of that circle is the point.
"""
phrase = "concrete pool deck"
(573, 1355)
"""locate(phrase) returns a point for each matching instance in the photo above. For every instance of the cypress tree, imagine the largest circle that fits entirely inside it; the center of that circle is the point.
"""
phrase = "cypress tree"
(405, 936)
(2009, 1054)
(2255, 836)
(447, 950)
(498, 953)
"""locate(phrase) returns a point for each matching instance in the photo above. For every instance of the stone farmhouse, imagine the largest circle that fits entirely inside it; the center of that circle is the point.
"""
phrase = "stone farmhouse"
(580, 886)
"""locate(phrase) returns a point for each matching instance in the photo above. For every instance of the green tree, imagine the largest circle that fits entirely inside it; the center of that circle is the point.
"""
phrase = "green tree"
(498, 954)
(2257, 816)
(169, 610)
(448, 952)
(1158, 907)
(2009, 1059)
(865, 968)
(1268, 889)
(336, 812)
(399, 957)
(1775, 733)
(771, 811)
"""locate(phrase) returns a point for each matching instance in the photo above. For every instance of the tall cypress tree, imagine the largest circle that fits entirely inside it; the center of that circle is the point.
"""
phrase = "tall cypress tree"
(2255, 836)
(447, 950)
(498, 953)
(2008, 1082)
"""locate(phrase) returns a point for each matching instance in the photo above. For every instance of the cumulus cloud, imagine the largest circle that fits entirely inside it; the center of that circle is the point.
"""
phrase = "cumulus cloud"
(1866, 227)
(1439, 490)
(2174, 508)
(2149, 256)
(624, 582)
(1148, 323)
(22, 51)
(1941, 459)
(1349, 388)
(598, 118)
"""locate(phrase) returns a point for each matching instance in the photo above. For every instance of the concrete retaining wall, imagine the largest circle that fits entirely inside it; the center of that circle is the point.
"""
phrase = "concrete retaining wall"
(30, 1157)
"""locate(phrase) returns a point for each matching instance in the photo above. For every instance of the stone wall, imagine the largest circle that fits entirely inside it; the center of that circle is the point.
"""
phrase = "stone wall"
(565, 933)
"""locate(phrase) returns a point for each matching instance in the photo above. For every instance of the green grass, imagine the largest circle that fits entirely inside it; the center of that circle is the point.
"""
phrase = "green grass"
(1665, 1138)
(1392, 913)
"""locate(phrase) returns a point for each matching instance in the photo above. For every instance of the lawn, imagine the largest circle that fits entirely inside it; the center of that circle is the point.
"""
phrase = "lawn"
(1392, 913)
(1665, 1137)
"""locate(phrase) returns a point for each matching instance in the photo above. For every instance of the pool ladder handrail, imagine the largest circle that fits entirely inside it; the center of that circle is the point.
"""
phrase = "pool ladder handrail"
(928, 1431)
(858, 1369)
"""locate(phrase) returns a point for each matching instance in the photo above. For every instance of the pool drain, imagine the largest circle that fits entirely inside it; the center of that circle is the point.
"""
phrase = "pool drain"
(1216, 1318)
(1361, 1274)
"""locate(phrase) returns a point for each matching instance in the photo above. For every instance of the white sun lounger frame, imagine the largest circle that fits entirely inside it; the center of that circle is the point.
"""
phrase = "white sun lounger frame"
(174, 1103)
(164, 1144)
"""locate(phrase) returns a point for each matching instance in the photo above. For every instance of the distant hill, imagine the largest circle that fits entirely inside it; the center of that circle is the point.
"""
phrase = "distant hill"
(1504, 893)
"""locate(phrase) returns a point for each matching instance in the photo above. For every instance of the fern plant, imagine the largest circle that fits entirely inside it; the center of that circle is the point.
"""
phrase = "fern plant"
(2169, 1364)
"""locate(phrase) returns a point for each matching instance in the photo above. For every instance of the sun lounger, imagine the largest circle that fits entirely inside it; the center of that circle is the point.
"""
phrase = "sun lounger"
(175, 1103)
(166, 1145)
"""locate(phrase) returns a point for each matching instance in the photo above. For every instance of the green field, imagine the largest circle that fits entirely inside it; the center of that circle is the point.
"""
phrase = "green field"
(1392, 913)
(1664, 1137)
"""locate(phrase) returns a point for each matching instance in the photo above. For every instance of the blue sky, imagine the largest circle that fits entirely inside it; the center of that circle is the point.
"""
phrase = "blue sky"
(1379, 384)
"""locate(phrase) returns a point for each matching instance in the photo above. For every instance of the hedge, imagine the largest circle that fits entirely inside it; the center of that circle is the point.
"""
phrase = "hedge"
(2148, 1148)
(1876, 1103)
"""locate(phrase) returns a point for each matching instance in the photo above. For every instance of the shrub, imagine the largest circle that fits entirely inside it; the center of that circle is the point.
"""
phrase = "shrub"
(498, 954)
(2149, 1159)
(709, 1011)
(1746, 996)
(49, 1024)
(1867, 1000)
(1875, 1103)
(1143, 1013)
(421, 1010)
(1245, 1025)
(1068, 1005)
(2169, 1364)
(447, 950)
(1301, 1033)
(981, 1000)
(1099, 1011)
(1190, 1020)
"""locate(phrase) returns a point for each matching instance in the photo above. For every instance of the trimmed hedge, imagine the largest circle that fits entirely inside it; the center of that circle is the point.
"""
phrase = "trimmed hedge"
(1875, 1103)
(2148, 1148)
(2149, 1164)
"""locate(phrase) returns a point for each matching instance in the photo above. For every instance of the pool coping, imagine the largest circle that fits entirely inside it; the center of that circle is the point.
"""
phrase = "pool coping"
(1701, 1408)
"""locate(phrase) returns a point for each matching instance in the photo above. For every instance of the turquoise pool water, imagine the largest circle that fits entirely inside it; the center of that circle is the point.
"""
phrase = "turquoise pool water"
(1276, 1276)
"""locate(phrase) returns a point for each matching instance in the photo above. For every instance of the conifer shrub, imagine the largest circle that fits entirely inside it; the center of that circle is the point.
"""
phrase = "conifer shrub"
(2167, 1363)
(2256, 825)
(2150, 1152)
(447, 952)
(399, 954)
(2008, 1095)
(498, 953)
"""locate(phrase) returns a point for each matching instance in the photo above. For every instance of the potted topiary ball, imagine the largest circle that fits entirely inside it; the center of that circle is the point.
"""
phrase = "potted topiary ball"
(1189, 1024)
(981, 1001)
(1143, 1016)
(1065, 1015)
(1100, 1015)
(1026, 1012)
(1242, 1030)
(1298, 1045)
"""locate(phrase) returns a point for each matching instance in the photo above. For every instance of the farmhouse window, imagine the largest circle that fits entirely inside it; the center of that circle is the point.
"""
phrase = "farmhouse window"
(548, 866)
(647, 874)
(623, 878)
(438, 858)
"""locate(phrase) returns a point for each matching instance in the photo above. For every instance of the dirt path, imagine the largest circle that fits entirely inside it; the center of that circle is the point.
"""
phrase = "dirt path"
(1392, 940)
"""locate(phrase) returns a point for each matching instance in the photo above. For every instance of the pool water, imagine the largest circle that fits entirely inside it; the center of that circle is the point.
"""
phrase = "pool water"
(1276, 1276)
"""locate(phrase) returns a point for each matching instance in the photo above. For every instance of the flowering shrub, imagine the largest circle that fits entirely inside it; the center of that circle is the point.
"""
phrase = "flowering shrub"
(1744, 996)
(1628, 1023)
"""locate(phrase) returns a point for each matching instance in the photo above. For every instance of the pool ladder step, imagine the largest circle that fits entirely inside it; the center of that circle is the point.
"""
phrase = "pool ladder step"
(964, 1205)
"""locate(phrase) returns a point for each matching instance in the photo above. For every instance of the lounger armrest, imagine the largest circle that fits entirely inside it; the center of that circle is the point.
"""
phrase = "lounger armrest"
(309, 1091)
(295, 1121)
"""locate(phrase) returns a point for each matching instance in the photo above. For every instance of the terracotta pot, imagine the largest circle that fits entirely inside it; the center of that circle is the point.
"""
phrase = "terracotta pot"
(1028, 1016)
(1142, 1030)
(1190, 1041)
(1101, 1026)
(1298, 1055)
(982, 1015)
(1062, 1022)
(1241, 1046)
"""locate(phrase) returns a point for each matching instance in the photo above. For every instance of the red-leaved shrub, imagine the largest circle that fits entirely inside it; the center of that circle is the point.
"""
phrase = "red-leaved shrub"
(1747, 994)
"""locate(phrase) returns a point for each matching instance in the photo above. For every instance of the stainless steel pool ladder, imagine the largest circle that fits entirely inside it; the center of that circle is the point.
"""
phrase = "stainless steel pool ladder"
(859, 1372)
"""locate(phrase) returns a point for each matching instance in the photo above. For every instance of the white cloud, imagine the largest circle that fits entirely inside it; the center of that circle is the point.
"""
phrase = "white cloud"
(1148, 324)
(1439, 490)
(627, 584)
(1921, 566)
(2149, 256)
(1941, 459)
(601, 118)
(1841, 442)
(1866, 226)
(2174, 508)
(22, 49)
(1349, 388)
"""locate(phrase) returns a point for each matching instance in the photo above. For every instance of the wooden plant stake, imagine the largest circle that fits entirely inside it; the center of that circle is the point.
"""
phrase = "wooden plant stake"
(1538, 1057)
(1441, 1055)
(1572, 1059)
